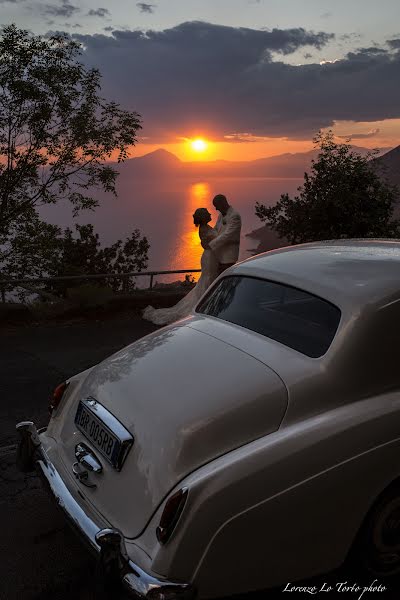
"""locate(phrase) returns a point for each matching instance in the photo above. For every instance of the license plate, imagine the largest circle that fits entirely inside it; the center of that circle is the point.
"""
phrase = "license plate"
(107, 435)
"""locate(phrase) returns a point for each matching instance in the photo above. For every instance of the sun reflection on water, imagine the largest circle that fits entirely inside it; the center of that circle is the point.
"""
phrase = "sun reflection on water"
(189, 252)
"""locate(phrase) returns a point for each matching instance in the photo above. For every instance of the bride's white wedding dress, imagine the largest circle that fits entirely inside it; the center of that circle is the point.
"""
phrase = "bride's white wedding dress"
(209, 271)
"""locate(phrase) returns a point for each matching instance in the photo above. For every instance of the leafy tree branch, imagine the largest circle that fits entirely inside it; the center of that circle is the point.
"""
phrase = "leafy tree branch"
(343, 196)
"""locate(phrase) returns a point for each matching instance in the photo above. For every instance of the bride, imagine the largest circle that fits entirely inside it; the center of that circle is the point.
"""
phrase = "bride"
(209, 271)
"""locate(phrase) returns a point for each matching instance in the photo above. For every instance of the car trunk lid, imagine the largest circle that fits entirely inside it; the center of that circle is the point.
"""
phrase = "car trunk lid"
(186, 398)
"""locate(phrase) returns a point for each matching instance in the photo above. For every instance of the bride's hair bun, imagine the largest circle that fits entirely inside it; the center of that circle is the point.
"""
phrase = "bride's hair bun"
(201, 216)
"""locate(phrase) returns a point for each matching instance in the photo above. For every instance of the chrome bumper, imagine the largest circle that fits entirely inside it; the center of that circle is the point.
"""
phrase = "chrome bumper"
(109, 544)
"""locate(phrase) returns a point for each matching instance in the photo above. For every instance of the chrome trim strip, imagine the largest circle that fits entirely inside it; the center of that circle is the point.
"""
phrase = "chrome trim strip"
(66, 502)
(108, 543)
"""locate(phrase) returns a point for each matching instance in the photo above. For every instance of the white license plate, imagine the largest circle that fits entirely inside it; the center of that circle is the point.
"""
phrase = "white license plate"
(98, 433)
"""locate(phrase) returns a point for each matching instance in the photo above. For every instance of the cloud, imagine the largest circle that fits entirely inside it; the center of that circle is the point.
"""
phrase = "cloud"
(204, 79)
(65, 9)
(11, 1)
(146, 8)
(326, 15)
(244, 137)
(108, 28)
(289, 40)
(394, 44)
(350, 37)
(359, 136)
(98, 12)
(371, 50)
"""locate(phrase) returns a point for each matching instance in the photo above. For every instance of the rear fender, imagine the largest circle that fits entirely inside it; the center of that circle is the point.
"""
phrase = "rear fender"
(266, 511)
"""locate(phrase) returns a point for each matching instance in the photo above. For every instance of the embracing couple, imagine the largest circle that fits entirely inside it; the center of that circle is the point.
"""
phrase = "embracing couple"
(221, 250)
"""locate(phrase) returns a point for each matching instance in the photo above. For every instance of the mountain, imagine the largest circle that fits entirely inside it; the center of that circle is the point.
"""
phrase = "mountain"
(282, 166)
(388, 165)
(159, 158)
(158, 162)
(162, 162)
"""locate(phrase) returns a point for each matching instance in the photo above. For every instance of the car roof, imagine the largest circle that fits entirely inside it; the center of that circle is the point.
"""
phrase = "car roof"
(349, 273)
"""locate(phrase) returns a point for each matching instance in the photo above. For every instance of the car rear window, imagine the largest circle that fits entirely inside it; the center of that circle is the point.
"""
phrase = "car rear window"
(288, 315)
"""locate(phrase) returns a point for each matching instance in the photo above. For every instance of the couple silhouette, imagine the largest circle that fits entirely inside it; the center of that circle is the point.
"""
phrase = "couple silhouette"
(221, 251)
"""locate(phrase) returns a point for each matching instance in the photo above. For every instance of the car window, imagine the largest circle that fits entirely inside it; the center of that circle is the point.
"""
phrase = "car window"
(288, 315)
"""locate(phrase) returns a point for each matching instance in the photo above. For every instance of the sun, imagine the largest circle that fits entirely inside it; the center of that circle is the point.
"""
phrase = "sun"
(199, 145)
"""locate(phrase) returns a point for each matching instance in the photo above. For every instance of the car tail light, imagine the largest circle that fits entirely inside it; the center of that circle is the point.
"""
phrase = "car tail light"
(57, 396)
(171, 514)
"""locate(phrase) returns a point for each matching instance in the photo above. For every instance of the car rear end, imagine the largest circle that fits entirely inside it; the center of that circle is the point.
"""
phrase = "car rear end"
(124, 437)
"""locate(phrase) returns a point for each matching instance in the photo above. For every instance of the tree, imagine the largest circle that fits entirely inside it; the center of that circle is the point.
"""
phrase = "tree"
(342, 197)
(57, 136)
(30, 250)
(55, 130)
(84, 255)
(40, 248)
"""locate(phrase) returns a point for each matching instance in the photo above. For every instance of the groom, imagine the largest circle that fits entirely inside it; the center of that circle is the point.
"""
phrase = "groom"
(228, 226)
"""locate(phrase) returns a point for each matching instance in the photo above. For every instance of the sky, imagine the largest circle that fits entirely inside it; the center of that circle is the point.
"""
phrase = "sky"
(252, 78)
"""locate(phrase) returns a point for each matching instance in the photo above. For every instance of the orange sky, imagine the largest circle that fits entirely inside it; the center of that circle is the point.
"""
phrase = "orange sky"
(227, 150)
(376, 134)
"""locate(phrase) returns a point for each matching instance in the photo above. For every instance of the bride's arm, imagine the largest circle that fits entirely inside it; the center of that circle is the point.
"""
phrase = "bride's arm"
(206, 235)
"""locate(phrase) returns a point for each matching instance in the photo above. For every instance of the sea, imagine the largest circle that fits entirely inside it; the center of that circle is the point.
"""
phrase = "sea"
(162, 208)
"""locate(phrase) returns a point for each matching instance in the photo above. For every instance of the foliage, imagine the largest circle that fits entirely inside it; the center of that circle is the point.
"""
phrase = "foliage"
(189, 280)
(42, 250)
(342, 197)
(57, 137)
(83, 254)
(31, 247)
(55, 130)
(29, 250)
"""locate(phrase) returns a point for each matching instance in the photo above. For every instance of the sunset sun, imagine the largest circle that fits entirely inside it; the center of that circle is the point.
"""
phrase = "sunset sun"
(199, 145)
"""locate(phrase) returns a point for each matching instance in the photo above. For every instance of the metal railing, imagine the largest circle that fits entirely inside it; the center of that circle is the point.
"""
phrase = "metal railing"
(29, 281)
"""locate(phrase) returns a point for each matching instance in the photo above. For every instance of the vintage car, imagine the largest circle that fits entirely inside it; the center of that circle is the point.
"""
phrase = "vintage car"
(254, 443)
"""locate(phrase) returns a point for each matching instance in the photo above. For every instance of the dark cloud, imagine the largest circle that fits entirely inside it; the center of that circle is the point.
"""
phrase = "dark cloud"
(52, 32)
(350, 37)
(394, 44)
(98, 12)
(65, 9)
(307, 55)
(199, 78)
(145, 8)
(289, 40)
(359, 136)
(11, 1)
(109, 28)
(370, 50)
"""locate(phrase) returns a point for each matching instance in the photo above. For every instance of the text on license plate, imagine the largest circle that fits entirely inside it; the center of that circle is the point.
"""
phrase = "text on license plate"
(97, 433)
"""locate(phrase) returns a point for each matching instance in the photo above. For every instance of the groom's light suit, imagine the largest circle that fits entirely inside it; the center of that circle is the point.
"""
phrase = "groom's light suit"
(226, 245)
